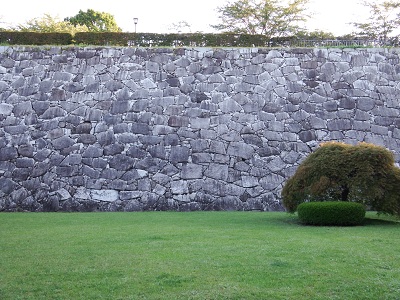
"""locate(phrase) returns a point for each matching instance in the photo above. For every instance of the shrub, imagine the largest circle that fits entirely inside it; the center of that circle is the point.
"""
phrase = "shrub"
(142, 39)
(331, 213)
(362, 173)
(35, 38)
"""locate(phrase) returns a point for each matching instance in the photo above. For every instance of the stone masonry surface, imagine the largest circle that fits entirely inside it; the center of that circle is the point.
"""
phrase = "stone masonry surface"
(132, 129)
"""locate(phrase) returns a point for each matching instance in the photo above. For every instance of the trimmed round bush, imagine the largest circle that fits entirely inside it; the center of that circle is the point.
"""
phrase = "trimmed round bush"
(331, 213)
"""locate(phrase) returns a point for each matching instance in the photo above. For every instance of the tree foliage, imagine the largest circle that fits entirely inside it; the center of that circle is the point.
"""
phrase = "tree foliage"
(384, 18)
(95, 21)
(315, 35)
(362, 173)
(47, 23)
(267, 17)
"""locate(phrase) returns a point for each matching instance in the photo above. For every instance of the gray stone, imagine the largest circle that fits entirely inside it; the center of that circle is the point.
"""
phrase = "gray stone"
(271, 181)
(365, 104)
(152, 67)
(308, 135)
(276, 165)
(199, 123)
(53, 112)
(136, 152)
(62, 76)
(309, 64)
(339, 125)
(249, 181)
(113, 149)
(104, 195)
(229, 106)
(217, 171)
(105, 138)
(40, 169)
(6, 109)
(17, 129)
(25, 163)
(199, 158)
(8, 153)
(158, 151)
(63, 142)
(192, 171)
(179, 187)
(83, 128)
(179, 154)
(199, 145)
(86, 139)
(7, 186)
(140, 128)
(217, 147)
(240, 149)
(119, 107)
(92, 152)
(72, 159)
(347, 103)
(253, 139)
(121, 162)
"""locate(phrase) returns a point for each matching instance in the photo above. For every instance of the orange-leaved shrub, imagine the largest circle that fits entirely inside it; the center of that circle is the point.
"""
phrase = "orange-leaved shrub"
(363, 173)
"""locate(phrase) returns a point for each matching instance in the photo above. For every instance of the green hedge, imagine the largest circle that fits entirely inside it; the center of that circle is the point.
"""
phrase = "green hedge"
(142, 39)
(331, 213)
(172, 39)
(177, 40)
(35, 38)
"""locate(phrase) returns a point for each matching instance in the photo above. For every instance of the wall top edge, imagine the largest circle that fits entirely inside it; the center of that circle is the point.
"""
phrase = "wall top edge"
(22, 48)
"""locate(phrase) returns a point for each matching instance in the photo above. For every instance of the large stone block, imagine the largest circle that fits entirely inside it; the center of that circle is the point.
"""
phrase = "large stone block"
(121, 162)
(53, 112)
(217, 171)
(192, 171)
(240, 149)
(8, 153)
(271, 182)
(6, 109)
(339, 124)
(104, 195)
(179, 154)
(7, 186)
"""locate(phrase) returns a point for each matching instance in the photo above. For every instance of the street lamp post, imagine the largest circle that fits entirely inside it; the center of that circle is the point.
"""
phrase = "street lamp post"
(135, 20)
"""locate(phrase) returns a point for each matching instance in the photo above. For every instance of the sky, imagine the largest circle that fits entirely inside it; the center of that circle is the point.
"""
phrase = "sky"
(158, 15)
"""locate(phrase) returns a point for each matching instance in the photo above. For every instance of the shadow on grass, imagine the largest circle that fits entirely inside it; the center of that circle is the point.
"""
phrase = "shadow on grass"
(293, 220)
(382, 222)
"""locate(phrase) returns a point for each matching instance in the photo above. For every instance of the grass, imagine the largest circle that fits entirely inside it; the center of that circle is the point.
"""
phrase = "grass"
(199, 255)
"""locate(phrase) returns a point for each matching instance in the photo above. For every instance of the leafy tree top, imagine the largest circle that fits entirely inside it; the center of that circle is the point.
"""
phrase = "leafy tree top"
(47, 23)
(267, 17)
(95, 21)
(384, 18)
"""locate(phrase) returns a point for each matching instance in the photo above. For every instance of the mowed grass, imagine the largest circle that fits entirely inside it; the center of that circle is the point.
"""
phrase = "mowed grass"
(198, 255)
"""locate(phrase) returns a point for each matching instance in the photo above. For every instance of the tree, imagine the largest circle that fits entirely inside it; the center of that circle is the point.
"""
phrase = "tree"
(47, 23)
(383, 20)
(181, 26)
(315, 35)
(95, 21)
(265, 17)
(363, 173)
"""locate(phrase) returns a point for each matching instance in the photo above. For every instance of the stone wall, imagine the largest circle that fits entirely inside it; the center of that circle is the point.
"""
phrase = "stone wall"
(126, 129)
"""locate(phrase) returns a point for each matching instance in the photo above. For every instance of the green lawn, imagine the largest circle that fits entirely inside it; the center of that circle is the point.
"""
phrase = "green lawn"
(198, 255)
